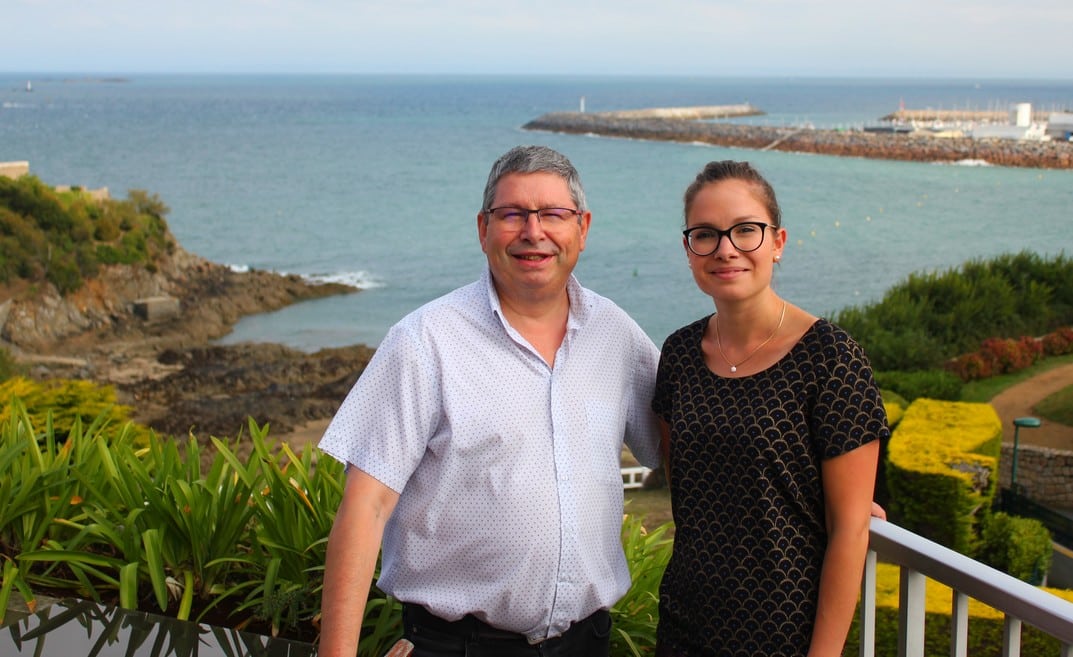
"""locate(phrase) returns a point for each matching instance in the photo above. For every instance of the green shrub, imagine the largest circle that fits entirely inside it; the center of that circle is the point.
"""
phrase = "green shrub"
(932, 317)
(932, 384)
(61, 403)
(1020, 547)
(64, 238)
(635, 616)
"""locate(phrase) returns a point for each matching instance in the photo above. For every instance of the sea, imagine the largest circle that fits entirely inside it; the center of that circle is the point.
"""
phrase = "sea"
(376, 180)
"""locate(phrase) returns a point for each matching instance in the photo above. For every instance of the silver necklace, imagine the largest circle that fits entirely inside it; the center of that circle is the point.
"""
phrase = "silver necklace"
(719, 341)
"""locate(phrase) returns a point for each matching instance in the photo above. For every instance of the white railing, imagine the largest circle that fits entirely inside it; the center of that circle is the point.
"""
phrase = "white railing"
(634, 477)
(921, 559)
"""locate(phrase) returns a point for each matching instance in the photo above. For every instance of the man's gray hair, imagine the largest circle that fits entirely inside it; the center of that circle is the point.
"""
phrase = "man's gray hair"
(534, 159)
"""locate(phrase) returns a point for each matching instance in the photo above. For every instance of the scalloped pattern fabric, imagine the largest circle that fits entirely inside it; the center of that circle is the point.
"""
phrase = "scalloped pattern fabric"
(746, 493)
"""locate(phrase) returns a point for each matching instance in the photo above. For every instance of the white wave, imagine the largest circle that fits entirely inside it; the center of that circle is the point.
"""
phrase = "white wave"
(360, 279)
(969, 162)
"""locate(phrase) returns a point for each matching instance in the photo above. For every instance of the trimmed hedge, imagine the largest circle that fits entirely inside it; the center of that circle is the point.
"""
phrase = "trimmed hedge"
(941, 470)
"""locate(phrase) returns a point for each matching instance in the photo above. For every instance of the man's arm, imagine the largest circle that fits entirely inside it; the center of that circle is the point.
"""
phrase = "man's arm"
(353, 546)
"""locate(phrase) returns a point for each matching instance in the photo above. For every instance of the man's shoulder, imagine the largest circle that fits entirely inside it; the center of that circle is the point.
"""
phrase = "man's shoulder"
(605, 320)
(600, 306)
(469, 299)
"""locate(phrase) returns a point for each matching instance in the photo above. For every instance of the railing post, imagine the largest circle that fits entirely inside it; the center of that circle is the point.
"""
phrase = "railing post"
(959, 625)
(1011, 637)
(911, 608)
(867, 612)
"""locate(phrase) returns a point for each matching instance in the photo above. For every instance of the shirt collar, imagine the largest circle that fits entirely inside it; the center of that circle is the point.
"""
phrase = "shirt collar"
(580, 306)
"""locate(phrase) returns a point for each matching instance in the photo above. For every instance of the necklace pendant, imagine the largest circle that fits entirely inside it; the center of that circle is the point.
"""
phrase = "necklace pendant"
(733, 368)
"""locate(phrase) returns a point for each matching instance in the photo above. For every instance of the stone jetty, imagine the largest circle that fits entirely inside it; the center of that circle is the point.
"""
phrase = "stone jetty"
(916, 146)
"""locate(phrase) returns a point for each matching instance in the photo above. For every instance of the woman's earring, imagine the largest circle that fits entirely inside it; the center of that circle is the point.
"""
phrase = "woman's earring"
(777, 258)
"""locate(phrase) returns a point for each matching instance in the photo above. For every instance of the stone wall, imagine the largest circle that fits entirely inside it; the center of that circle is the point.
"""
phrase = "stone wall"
(1044, 474)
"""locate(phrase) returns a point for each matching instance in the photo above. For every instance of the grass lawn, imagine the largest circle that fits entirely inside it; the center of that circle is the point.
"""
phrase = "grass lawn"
(1057, 407)
(652, 506)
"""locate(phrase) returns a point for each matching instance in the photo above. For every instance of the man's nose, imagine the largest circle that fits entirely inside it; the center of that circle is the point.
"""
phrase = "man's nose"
(532, 228)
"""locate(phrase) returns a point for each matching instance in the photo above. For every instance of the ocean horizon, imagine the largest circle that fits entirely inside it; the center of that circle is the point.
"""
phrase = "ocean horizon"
(376, 181)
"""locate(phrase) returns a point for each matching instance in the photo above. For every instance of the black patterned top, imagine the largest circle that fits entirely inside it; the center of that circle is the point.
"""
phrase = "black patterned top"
(746, 494)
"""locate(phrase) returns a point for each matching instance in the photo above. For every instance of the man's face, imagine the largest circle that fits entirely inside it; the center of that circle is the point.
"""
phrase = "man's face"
(530, 259)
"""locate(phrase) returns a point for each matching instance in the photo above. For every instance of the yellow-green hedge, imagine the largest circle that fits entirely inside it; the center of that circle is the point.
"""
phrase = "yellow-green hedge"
(985, 622)
(64, 402)
(942, 470)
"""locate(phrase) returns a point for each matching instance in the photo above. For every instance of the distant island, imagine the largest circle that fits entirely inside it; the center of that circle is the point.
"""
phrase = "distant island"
(891, 142)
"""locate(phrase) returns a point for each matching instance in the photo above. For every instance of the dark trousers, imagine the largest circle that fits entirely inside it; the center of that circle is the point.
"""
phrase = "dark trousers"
(468, 637)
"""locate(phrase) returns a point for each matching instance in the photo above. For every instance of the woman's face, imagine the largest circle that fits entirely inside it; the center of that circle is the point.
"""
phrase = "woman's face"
(728, 273)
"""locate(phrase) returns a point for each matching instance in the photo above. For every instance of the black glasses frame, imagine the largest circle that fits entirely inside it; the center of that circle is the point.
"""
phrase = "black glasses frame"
(540, 212)
(728, 233)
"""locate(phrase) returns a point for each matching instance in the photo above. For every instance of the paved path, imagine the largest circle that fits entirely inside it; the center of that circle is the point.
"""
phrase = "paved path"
(1017, 401)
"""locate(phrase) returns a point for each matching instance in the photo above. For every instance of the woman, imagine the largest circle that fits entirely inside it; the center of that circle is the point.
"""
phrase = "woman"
(771, 425)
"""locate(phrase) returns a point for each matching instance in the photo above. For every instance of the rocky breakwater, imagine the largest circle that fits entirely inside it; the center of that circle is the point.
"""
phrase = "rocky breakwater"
(165, 366)
(920, 147)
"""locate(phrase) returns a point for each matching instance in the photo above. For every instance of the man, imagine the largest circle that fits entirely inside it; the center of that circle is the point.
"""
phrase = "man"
(483, 443)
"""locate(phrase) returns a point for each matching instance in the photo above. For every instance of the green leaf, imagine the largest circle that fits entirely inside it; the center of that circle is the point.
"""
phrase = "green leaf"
(157, 576)
(128, 585)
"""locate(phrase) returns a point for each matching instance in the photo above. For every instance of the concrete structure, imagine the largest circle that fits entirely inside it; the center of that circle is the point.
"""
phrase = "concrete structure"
(98, 195)
(1060, 126)
(1031, 132)
(14, 169)
(1021, 115)
(153, 309)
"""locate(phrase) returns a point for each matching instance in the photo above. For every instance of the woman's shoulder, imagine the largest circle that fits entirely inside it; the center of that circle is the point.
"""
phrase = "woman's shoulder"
(688, 334)
(826, 332)
(829, 345)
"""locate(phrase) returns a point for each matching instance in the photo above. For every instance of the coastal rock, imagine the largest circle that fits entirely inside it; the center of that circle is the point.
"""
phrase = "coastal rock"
(213, 390)
(166, 368)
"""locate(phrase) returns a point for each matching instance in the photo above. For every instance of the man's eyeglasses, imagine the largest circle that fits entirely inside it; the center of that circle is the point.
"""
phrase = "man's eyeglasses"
(745, 237)
(515, 217)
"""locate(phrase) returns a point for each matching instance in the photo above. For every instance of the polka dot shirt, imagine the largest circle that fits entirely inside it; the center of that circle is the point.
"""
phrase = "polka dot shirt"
(510, 503)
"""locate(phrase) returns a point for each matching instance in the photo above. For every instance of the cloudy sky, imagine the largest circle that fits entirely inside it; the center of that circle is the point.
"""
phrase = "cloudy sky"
(917, 38)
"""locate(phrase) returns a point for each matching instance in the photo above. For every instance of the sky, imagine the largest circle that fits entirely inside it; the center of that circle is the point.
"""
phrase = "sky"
(839, 38)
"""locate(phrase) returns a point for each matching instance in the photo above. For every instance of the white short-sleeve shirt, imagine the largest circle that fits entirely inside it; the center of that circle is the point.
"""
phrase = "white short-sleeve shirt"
(510, 503)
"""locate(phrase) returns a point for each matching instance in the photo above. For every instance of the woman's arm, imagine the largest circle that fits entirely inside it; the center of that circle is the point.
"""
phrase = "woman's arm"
(848, 487)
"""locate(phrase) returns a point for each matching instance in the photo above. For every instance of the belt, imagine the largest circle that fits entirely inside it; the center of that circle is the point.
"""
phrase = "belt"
(471, 627)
